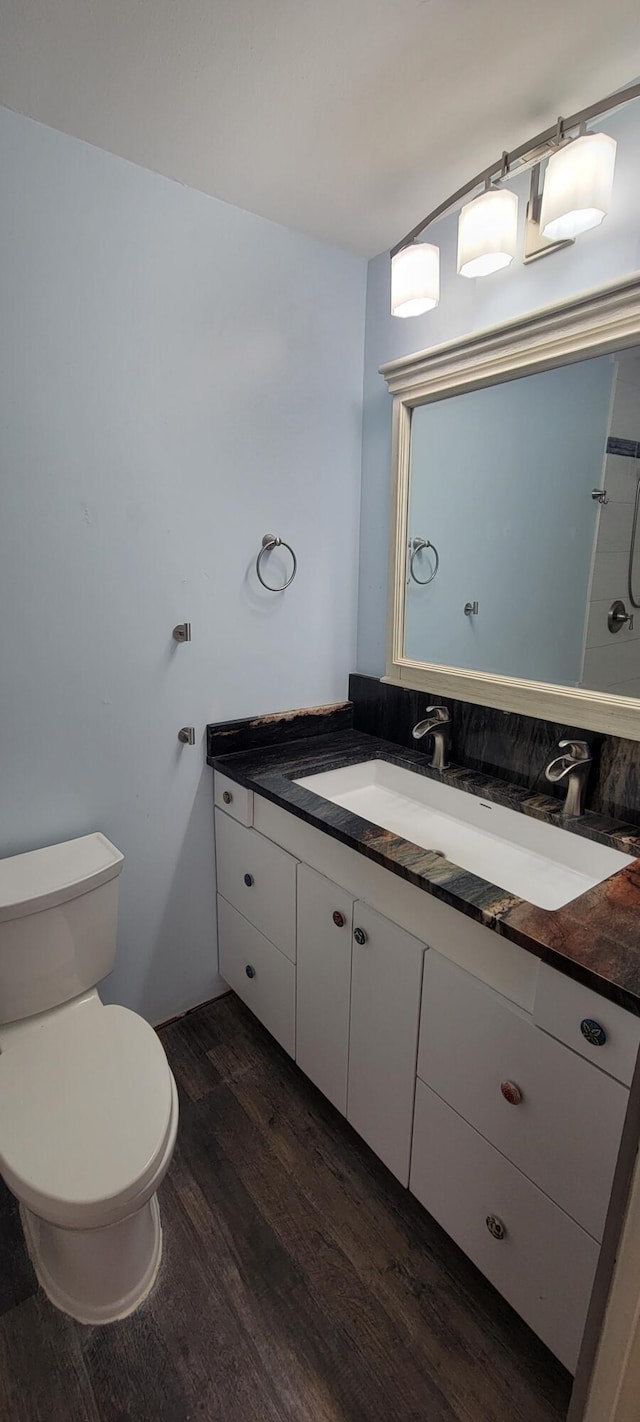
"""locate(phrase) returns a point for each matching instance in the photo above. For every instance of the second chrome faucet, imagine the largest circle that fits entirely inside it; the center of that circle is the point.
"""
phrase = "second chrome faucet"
(437, 723)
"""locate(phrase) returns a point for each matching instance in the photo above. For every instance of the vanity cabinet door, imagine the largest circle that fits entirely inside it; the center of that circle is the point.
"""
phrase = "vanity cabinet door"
(386, 978)
(323, 983)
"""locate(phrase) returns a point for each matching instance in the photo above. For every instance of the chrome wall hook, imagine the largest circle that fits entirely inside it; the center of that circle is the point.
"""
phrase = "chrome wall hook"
(187, 735)
(182, 632)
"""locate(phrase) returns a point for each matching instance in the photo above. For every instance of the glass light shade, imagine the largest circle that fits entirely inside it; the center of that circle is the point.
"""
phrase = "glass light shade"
(415, 279)
(577, 186)
(487, 233)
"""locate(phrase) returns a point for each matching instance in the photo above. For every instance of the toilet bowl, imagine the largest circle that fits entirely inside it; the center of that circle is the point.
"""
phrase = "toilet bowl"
(88, 1103)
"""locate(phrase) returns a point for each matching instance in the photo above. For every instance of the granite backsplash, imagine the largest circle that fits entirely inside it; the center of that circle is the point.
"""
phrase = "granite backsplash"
(277, 728)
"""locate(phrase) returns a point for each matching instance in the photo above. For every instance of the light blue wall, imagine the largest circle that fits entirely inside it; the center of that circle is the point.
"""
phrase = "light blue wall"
(605, 254)
(501, 481)
(177, 377)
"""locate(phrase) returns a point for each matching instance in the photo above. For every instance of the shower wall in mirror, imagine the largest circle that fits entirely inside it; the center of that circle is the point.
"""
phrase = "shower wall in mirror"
(519, 528)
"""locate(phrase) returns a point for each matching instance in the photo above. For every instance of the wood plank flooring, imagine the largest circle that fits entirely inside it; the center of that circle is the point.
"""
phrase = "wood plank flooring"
(300, 1282)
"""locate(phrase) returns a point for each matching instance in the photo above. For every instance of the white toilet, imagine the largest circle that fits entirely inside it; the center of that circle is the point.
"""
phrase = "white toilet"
(88, 1104)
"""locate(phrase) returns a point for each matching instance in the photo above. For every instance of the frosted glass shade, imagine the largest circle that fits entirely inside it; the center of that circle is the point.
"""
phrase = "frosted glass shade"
(577, 186)
(415, 279)
(487, 233)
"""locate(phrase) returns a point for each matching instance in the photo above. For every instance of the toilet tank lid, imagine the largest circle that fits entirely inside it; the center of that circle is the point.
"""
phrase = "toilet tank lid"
(43, 878)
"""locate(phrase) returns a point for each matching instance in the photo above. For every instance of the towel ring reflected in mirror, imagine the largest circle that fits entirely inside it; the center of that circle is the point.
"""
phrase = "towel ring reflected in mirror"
(417, 545)
(269, 542)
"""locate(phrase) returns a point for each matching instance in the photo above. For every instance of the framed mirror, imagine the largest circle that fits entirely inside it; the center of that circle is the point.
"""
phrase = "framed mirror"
(514, 574)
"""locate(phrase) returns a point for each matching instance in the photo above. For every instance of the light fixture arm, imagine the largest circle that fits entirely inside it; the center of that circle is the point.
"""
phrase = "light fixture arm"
(524, 157)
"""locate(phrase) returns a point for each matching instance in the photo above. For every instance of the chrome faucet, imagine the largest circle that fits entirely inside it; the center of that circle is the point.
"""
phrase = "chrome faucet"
(574, 768)
(438, 724)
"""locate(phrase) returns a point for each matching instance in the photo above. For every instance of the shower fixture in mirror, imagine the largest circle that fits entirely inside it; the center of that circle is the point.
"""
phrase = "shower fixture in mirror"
(515, 550)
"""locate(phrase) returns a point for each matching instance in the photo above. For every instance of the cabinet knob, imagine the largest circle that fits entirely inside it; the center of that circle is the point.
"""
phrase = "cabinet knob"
(248, 879)
(338, 918)
(495, 1227)
(594, 1033)
(250, 972)
(511, 1092)
(359, 935)
(227, 797)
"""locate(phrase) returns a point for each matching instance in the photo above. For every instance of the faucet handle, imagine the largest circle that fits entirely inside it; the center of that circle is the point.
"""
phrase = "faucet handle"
(578, 750)
(439, 713)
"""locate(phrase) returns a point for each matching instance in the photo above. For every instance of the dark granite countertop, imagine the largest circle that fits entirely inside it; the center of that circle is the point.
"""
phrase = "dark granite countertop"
(595, 939)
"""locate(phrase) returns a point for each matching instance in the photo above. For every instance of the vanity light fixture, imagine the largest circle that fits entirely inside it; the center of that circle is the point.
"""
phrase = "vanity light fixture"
(577, 186)
(415, 279)
(576, 194)
(487, 232)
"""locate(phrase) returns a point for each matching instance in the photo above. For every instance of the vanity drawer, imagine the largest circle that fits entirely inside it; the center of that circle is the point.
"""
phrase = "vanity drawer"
(269, 987)
(544, 1265)
(234, 799)
(562, 1006)
(259, 879)
(564, 1132)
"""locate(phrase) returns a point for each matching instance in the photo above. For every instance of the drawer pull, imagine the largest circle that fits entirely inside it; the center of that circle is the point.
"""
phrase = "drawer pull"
(248, 879)
(511, 1092)
(338, 918)
(227, 797)
(594, 1033)
(359, 935)
(250, 972)
(495, 1227)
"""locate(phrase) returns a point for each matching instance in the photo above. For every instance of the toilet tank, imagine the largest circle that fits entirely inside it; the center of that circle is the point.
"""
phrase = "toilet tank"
(58, 923)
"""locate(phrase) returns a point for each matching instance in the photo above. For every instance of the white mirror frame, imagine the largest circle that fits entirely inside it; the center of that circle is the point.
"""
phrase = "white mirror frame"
(596, 323)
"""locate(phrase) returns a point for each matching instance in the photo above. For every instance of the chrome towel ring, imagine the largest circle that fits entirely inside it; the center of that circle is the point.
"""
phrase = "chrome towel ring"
(417, 545)
(269, 542)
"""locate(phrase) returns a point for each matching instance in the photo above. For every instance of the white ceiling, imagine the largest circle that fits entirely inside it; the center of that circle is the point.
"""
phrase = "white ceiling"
(346, 119)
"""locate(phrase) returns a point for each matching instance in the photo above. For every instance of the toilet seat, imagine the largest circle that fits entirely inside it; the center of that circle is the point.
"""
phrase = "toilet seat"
(87, 1115)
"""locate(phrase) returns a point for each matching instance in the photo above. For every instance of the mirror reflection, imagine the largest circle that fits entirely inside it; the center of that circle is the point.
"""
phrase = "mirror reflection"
(522, 505)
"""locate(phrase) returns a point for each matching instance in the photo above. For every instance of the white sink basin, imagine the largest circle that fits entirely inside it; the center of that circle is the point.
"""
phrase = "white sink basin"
(539, 862)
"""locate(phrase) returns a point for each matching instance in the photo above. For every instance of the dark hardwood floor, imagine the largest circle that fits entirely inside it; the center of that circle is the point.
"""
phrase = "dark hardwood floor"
(300, 1282)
